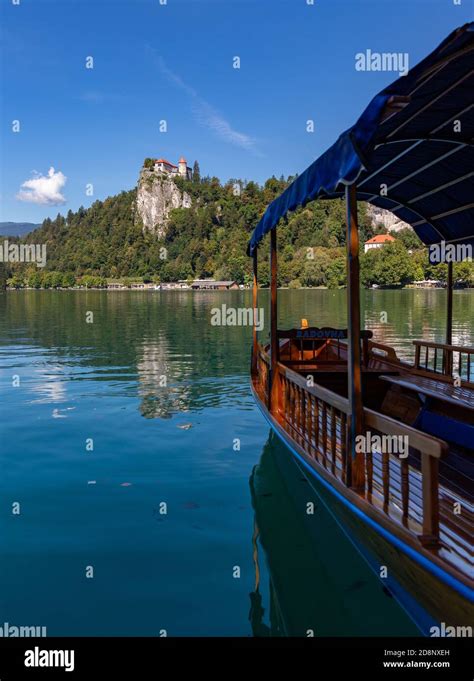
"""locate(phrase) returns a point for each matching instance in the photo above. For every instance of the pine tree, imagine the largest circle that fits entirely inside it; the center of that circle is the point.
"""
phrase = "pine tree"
(196, 172)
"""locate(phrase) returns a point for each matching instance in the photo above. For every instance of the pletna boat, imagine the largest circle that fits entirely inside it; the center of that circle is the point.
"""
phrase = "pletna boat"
(310, 592)
(346, 405)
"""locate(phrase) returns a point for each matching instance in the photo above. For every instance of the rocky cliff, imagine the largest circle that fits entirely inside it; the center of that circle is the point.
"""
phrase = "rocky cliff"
(379, 216)
(157, 195)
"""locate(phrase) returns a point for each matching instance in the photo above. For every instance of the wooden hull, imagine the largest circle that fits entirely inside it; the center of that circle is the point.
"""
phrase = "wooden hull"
(443, 603)
(430, 594)
(311, 587)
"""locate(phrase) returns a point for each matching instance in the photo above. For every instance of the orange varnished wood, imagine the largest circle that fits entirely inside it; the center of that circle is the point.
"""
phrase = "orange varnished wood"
(274, 345)
(443, 602)
(255, 303)
(413, 499)
(457, 396)
(356, 469)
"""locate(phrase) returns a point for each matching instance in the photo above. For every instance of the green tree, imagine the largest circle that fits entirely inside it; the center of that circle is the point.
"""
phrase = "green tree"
(68, 280)
(35, 279)
(3, 277)
(409, 238)
(16, 281)
(390, 265)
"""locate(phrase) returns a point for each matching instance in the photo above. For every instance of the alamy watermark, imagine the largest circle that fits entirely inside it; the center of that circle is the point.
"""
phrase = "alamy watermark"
(35, 253)
(50, 658)
(450, 631)
(382, 61)
(444, 252)
(12, 631)
(240, 316)
(384, 444)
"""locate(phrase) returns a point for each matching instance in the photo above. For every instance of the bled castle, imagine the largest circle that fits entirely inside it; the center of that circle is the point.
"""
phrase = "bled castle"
(165, 167)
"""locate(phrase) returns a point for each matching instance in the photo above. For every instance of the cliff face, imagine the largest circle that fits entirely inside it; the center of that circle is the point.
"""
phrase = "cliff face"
(157, 195)
(379, 216)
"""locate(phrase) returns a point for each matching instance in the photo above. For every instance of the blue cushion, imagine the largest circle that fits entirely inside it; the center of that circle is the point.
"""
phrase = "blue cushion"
(446, 428)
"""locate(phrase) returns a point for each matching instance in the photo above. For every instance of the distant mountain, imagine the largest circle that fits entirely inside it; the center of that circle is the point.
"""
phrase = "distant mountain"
(17, 228)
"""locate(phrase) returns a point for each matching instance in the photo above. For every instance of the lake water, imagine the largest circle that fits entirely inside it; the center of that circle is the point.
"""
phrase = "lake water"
(95, 447)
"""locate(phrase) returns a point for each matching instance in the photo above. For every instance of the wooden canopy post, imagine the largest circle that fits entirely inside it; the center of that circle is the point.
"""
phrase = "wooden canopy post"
(355, 472)
(254, 307)
(273, 319)
(448, 361)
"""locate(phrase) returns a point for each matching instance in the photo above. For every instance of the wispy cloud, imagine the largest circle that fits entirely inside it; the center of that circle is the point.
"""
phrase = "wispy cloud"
(44, 189)
(205, 114)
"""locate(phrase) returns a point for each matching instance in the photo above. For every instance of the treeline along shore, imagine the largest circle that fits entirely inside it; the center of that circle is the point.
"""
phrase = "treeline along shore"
(107, 246)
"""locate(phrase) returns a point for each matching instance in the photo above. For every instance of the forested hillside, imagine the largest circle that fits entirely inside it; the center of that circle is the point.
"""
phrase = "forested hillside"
(106, 241)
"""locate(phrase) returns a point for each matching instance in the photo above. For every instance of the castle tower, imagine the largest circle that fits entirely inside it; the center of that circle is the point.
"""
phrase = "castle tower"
(183, 167)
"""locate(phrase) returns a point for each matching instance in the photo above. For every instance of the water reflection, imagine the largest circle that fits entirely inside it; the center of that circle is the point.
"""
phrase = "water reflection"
(162, 383)
(319, 585)
(397, 317)
(138, 338)
(157, 346)
(49, 387)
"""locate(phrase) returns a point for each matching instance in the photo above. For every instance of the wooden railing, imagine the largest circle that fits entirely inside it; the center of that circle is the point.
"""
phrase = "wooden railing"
(445, 359)
(318, 420)
(417, 499)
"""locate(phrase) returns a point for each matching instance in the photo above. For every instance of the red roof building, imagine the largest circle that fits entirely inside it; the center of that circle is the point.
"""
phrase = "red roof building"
(165, 162)
(378, 241)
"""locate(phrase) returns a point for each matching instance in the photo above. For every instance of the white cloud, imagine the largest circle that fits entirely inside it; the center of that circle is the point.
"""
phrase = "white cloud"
(44, 189)
(206, 114)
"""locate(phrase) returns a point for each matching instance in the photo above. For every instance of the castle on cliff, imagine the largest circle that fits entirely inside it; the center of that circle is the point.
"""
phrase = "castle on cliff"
(167, 168)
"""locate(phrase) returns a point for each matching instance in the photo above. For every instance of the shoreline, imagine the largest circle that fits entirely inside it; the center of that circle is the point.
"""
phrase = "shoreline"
(190, 290)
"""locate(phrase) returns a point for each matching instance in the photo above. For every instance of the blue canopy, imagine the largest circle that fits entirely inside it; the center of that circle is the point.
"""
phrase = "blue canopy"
(410, 152)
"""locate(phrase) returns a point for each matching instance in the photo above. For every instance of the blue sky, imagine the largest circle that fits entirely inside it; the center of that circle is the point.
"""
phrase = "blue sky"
(174, 62)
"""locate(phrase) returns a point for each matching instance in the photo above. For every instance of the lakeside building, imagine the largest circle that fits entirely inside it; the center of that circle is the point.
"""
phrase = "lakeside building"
(120, 286)
(181, 285)
(115, 285)
(213, 285)
(140, 285)
(378, 241)
(428, 283)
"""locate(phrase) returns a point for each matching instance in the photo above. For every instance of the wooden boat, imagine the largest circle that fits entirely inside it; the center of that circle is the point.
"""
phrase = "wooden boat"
(310, 591)
(390, 443)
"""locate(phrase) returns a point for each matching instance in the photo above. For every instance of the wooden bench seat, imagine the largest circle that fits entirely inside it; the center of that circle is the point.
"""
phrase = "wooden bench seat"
(437, 390)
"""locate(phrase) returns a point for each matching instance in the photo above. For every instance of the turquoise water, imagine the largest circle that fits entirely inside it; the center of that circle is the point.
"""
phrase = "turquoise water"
(191, 570)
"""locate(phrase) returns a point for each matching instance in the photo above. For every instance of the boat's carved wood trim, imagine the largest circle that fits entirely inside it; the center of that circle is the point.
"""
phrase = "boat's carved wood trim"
(319, 333)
